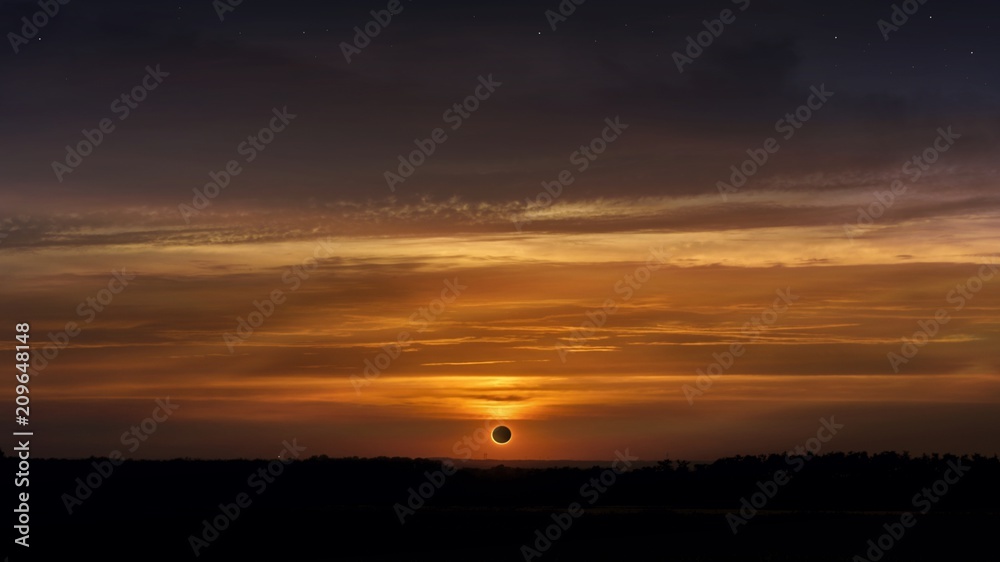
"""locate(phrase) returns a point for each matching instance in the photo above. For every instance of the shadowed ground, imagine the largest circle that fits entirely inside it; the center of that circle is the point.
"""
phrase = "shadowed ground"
(343, 509)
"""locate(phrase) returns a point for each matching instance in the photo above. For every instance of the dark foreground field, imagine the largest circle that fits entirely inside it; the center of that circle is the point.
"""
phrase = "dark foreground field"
(346, 509)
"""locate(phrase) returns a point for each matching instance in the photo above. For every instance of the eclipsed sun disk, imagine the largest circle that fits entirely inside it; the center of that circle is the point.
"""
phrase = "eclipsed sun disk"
(501, 434)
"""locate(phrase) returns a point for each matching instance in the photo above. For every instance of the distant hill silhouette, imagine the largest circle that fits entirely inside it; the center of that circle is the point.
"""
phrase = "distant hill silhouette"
(344, 509)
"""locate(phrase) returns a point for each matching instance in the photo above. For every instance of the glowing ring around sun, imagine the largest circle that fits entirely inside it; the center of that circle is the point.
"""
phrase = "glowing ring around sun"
(501, 434)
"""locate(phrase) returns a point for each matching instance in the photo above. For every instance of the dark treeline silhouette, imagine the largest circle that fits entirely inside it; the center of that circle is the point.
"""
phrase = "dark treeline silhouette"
(351, 508)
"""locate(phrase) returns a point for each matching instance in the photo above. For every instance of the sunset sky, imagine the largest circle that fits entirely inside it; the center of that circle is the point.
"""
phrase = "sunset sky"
(529, 268)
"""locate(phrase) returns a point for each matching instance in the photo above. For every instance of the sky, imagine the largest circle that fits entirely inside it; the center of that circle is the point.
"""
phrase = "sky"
(606, 214)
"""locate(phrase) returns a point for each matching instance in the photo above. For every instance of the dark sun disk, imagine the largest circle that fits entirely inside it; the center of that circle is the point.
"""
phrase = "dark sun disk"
(501, 434)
